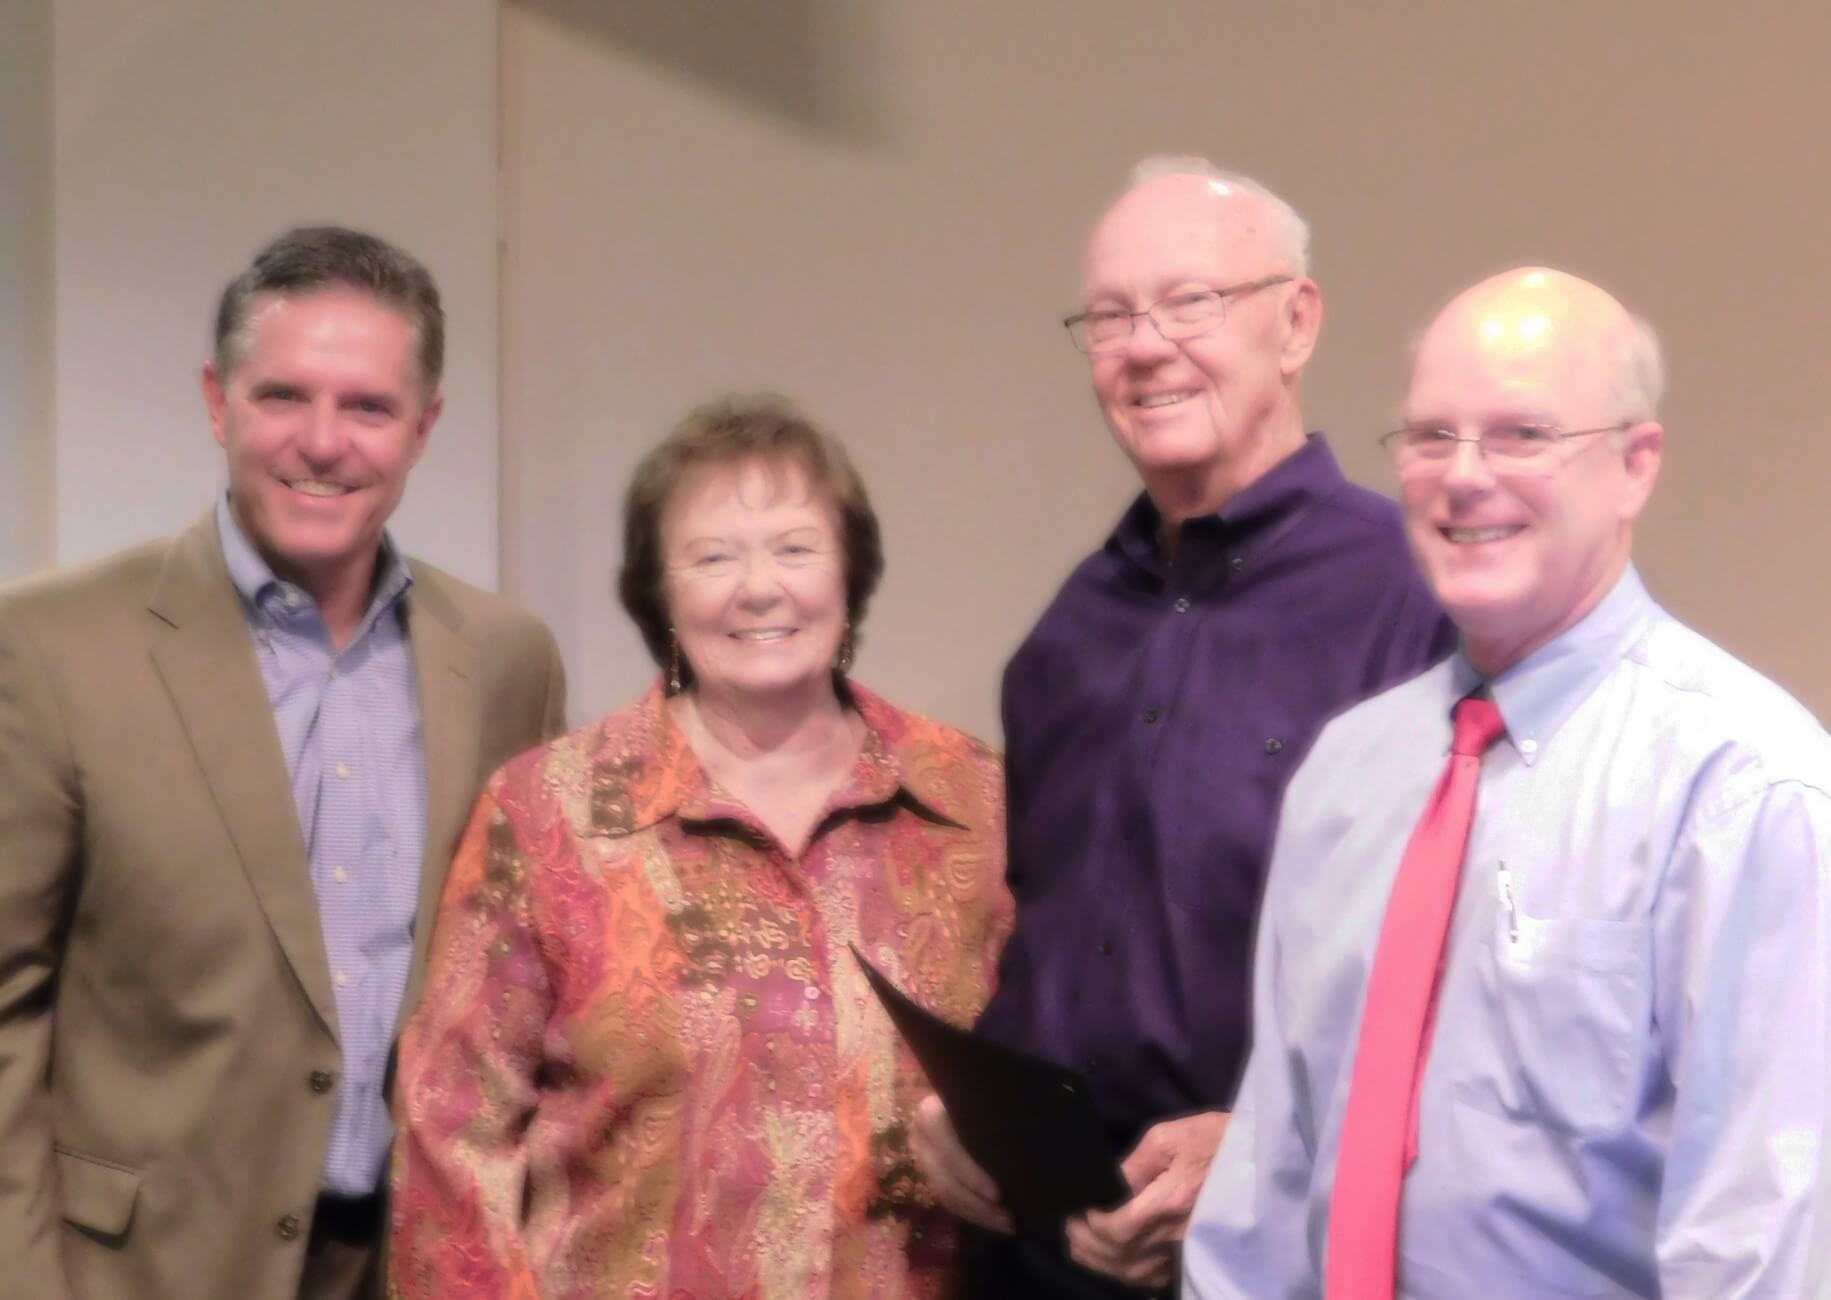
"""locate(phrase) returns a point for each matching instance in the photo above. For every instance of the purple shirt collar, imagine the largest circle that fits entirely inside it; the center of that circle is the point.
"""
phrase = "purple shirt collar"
(1271, 504)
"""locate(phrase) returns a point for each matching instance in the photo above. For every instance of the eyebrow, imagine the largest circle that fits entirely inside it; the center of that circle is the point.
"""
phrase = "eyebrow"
(712, 539)
(1507, 419)
(1166, 288)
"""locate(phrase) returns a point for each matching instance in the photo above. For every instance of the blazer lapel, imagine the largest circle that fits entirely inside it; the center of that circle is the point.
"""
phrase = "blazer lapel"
(209, 667)
(445, 662)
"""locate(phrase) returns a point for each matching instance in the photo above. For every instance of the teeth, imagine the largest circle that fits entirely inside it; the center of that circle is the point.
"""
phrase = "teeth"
(317, 487)
(1162, 399)
(762, 634)
(1461, 535)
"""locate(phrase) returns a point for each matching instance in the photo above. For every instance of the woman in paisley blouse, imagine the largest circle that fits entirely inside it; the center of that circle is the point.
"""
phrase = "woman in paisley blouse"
(646, 1063)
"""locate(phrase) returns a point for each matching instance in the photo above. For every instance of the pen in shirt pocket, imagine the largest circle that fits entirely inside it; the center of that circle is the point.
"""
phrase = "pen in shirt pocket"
(1506, 900)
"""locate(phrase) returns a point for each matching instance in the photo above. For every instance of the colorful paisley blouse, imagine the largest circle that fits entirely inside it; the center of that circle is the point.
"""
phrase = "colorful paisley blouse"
(646, 1063)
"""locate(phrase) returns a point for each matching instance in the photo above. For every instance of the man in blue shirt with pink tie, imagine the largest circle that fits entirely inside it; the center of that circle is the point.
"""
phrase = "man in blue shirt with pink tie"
(1540, 1000)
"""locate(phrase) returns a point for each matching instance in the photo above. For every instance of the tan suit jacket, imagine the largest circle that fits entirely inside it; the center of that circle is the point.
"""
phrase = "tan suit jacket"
(168, 1035)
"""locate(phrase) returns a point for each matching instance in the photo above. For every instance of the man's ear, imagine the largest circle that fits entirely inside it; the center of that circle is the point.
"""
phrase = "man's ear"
(1302, 323)
(215, 401)
(1641, 448)
(428, 418)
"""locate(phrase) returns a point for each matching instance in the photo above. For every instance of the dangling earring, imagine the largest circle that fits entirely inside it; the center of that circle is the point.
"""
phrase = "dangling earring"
(673, 663)
(844, 664)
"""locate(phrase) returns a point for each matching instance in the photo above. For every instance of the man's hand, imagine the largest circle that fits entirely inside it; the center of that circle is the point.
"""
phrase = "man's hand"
(1138, 1242)
(955, 1177)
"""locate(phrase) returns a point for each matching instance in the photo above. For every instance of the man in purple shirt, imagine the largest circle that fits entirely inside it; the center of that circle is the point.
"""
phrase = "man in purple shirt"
(1154, 714)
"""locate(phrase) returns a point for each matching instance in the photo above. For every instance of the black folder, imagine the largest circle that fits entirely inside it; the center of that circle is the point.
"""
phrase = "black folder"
(1030, 1123)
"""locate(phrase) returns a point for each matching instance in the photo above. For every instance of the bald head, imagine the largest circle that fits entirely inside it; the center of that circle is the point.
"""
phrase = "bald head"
(1237, 218)
(1524, 522)
(1531, 325)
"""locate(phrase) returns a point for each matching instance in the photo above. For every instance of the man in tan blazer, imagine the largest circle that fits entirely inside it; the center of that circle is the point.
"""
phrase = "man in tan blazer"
(233, 767)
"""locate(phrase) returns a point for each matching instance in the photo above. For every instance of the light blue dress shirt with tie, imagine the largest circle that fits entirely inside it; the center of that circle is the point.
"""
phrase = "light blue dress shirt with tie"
(1629, 1084)
(349, 725)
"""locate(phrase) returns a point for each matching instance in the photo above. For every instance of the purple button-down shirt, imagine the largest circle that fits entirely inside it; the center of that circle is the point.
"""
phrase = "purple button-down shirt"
(1151, 721)
(349, 725)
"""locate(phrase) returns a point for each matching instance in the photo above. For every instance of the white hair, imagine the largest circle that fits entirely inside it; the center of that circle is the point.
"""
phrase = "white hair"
(1291, 231)
(1639, 379)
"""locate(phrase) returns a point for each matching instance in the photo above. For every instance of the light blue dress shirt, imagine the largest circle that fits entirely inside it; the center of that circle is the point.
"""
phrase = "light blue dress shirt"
(349, 725)
(1629, 1085)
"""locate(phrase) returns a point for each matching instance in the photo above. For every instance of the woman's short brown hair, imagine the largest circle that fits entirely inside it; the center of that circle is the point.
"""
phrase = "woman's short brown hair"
(727, 432)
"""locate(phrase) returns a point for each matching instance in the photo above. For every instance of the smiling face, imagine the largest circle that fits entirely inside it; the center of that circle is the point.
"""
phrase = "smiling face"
(755, 579)
(1518, 556)
(322, 417)
(1182, 409)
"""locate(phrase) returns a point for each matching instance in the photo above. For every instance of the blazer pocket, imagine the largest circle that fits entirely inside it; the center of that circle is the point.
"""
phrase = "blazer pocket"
(95, 1194)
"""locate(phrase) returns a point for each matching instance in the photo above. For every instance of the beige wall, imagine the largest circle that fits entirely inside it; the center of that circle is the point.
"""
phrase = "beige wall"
(187, 133)
(878, 209)
(25, 286)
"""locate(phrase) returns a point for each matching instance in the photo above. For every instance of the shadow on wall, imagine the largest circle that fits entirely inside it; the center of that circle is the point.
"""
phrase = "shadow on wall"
(817, 64)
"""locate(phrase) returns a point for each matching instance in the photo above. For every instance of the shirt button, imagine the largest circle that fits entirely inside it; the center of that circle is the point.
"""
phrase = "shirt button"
(343, 981)
(1151, 715)
(1182, 605)
(1529, 746)
(1237, 563)
(1274, 745)
(341, 876)
(343, 771)
(287, 1227)
(292, 602)
(1106, 947)
(321, 1081)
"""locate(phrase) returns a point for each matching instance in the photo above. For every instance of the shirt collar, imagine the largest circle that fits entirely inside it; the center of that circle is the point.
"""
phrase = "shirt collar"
(261, 590)
(893, 762)
(1540, 692)
(1252, 518)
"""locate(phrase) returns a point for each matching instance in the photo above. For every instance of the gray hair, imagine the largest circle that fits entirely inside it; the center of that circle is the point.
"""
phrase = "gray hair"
(1639, 371)
(312, 258)
(1290, 229)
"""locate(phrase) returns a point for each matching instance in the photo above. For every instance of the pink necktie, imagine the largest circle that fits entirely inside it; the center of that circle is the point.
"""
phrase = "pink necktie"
(1379, 1132)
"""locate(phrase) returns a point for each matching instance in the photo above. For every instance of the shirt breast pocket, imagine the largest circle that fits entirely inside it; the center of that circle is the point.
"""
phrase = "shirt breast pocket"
(1567, 1005)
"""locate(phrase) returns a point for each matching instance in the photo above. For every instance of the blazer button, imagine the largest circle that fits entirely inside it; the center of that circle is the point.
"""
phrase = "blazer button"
(321, 1081)
(287, 1227)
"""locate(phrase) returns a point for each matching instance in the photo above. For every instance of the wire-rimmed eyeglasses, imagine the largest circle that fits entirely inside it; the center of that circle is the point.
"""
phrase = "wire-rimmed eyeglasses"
(1423, 449)
(1178, 317)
